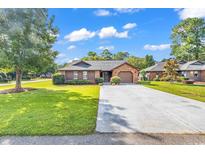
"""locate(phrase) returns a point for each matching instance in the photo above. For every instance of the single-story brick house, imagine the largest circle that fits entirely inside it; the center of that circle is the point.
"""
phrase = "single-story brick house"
(193, 70)
(90, 70)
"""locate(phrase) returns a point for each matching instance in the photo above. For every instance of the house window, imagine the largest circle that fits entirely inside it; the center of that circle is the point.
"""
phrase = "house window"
(75, 75)
(85, 75)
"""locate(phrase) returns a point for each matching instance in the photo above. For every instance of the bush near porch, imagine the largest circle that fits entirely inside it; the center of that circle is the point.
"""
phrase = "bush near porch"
(115, 80)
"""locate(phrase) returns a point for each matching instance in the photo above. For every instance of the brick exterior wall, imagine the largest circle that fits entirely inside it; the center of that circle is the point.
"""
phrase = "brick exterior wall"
(97, 74)
(69, 75)
(91, 76)
(203, 75)
(126, 67)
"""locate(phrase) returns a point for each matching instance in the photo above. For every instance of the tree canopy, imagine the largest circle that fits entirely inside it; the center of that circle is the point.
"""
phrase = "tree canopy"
(188, 39)
(26, 39)
(121, 55)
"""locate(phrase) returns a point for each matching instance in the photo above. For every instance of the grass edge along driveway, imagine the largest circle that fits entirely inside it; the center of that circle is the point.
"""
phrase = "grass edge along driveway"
(196, 92)
(50, 110)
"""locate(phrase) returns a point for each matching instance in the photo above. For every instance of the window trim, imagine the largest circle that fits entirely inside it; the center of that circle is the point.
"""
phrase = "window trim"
(75, 75)
(85, 75)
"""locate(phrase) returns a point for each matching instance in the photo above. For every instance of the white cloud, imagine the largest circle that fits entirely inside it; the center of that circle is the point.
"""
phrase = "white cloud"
(61, 55)
(71, 47)
(102, 12)
(156, 47)
(122, 34)
(129, 26)
(73, 59)
(78, 35)
(105, 12)
(112, 32)
(63, 58)
(106, 47)
(127, 10)
(191, 13)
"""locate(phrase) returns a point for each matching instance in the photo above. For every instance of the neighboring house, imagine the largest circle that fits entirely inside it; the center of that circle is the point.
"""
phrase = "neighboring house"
(90, 70)
(193, 70)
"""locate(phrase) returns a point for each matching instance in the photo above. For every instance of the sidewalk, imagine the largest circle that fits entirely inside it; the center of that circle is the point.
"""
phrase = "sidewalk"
(13, 82)
(105, 139)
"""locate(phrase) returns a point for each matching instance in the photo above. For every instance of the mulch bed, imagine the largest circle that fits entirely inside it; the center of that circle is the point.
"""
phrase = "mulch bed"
(10, 91)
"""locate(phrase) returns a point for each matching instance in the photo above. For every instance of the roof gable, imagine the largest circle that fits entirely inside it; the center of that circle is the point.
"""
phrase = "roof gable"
(81, 64)
(126, 63)
(198, 63)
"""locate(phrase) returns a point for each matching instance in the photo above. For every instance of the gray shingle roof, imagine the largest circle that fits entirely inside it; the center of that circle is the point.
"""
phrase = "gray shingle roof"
(93, 65)
(188, 66)
(156, 68)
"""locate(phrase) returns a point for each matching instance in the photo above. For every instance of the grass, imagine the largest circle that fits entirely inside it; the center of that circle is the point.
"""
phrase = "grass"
(196, 92)
(50, 110)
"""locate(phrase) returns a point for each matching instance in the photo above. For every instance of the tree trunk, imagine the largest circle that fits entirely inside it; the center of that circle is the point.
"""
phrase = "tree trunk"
(18, 80)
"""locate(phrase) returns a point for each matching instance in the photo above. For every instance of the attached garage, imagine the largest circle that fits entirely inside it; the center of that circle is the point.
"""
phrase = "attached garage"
(126, 76)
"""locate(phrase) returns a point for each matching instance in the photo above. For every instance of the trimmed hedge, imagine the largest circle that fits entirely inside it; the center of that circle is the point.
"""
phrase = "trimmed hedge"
(77, 82)
(99, 80)
(115, 80)
(58, 79)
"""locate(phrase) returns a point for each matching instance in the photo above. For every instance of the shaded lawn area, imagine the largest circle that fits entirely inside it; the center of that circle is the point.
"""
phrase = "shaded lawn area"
(196, 92)
(50, 110)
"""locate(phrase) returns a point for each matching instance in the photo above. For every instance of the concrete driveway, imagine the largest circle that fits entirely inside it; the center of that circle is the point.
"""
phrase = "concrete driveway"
(135, 108)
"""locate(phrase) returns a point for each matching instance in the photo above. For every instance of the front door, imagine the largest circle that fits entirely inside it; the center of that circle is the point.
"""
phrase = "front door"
(106, 76)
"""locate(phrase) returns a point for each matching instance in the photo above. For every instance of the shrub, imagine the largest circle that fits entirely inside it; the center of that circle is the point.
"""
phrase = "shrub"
(115, 80)
(181, 79)
(143, 75)
(99, 80)
(58, 79)
(100, 84)
(165, 78)
(185, 78)
(156, 78)
(77, 82)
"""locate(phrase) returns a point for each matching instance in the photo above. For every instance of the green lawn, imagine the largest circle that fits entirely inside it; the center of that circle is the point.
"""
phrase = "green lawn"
(196, 92)
(50, 110)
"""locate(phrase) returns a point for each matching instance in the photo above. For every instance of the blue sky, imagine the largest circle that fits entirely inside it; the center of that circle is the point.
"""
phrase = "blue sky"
(137, 31)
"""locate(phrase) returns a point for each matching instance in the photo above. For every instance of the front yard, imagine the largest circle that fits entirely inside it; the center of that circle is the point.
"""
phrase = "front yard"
(50, 110)
(196, 92)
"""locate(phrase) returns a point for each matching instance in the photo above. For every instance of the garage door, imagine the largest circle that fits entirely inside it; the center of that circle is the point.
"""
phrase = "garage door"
(126, 77)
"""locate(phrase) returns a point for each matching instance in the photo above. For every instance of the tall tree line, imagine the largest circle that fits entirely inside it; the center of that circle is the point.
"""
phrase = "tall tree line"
(141, 63)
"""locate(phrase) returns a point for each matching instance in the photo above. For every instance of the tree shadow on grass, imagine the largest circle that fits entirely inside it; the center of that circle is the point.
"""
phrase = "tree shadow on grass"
(47, 112)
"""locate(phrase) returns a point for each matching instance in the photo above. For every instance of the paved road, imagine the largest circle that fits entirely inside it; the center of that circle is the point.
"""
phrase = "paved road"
(135, 108)
(105, 139)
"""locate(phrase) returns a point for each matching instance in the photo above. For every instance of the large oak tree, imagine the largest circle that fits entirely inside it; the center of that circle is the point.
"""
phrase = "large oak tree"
(26, 39)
